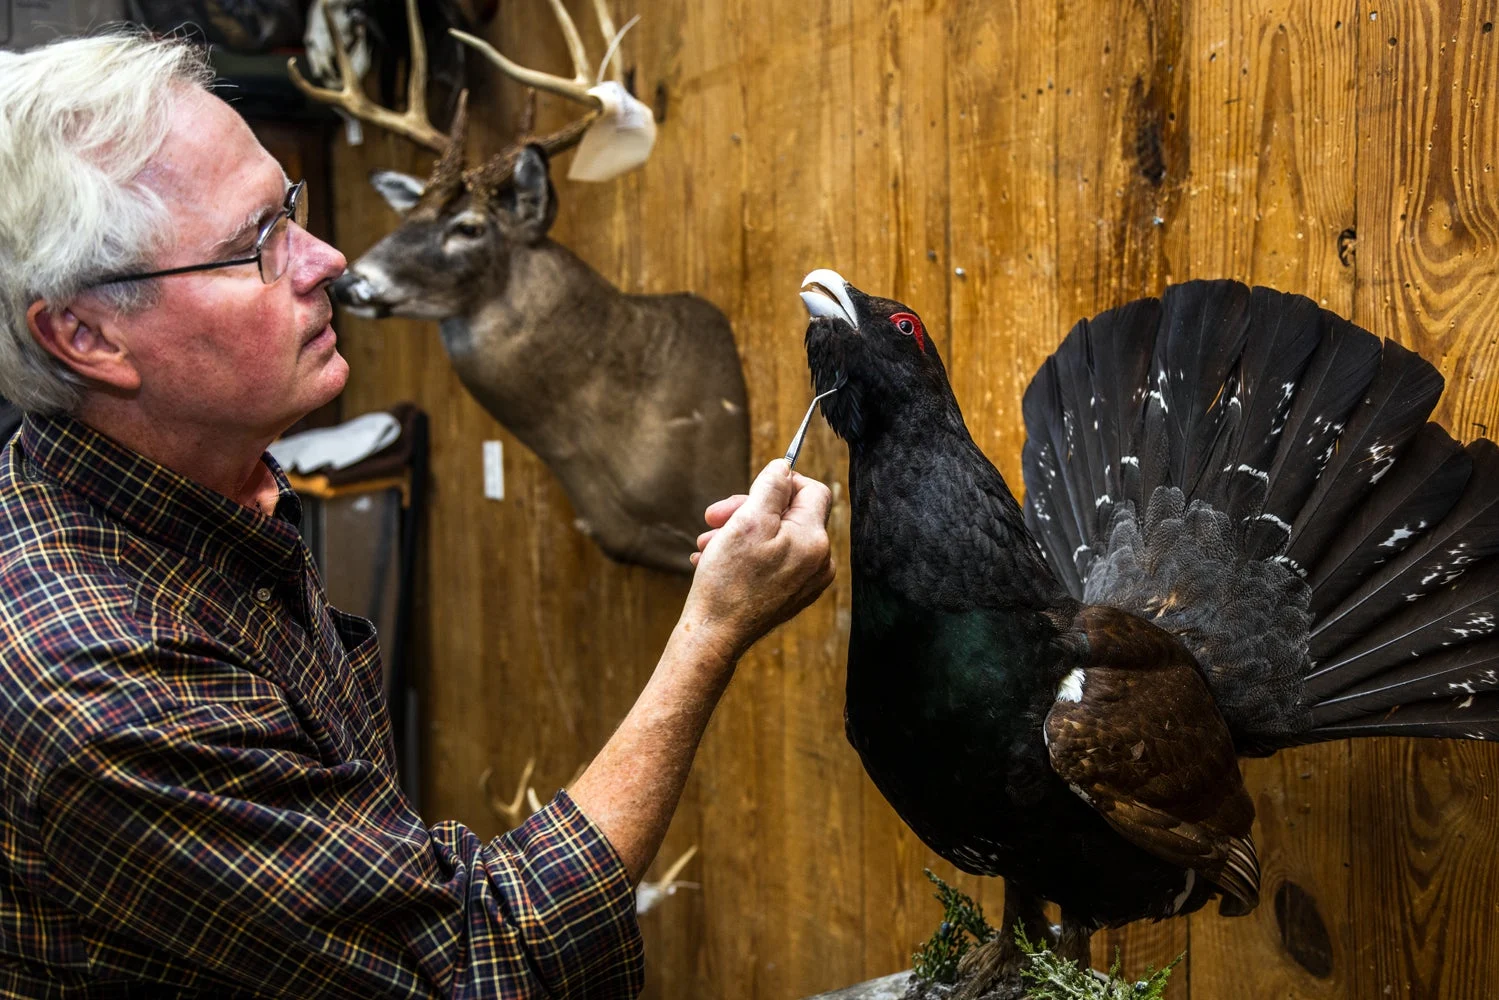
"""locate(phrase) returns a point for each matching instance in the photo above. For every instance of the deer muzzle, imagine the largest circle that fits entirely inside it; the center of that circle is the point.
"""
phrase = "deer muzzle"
(354, 292)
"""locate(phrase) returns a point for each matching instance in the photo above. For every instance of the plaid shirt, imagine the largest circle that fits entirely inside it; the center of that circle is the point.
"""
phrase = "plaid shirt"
(199, 782)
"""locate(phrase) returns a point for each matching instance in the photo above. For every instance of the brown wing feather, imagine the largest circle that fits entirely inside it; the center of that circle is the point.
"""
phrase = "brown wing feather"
(1146, 746)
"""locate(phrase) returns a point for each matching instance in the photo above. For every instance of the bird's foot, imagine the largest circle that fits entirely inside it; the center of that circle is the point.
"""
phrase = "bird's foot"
(996, 962)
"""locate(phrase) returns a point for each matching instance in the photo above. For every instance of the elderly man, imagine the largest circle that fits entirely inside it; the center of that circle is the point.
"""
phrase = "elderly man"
(199, 796)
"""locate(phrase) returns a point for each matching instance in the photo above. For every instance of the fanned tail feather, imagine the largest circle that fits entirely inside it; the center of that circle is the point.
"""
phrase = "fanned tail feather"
(1455, 674)
(1051, 513)
(1437, 557)
(1079, 453)
(1307, 441)
(1287, 330)
(1472, 718)
(1339, 371)
(1119, 343)
(1418, 492)
(1193, 399)
(1395, 406)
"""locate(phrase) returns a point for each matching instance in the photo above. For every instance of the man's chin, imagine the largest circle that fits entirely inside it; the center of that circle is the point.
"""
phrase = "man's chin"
(325, 382)
(336, 373)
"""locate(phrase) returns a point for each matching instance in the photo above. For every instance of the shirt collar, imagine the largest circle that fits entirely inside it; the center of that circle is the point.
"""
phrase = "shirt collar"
(156, 503)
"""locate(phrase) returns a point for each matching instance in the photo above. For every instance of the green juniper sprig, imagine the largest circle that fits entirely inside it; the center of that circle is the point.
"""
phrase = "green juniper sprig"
(1048, 977)
(1052, 978)
(963, 926)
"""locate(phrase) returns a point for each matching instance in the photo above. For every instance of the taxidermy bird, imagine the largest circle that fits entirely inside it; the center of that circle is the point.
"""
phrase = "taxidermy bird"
(1240, 534)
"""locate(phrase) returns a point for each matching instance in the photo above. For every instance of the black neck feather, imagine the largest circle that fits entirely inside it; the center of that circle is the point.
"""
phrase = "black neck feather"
(934, 520)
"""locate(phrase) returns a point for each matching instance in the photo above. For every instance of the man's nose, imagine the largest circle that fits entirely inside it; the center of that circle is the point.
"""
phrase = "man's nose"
(314, 262)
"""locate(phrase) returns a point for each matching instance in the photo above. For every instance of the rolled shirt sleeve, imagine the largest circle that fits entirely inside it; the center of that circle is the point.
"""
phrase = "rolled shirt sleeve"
(278, 875)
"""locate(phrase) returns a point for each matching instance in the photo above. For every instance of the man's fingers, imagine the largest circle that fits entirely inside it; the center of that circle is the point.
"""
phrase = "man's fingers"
(705, 538)
(718, 514)
(771, 491)
(811, 504)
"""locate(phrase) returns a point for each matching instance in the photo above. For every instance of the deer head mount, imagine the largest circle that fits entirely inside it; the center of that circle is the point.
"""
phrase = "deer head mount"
(635, 402)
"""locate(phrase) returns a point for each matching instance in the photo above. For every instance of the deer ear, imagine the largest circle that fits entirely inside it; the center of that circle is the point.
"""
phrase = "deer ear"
(535, 201)
(400, 191)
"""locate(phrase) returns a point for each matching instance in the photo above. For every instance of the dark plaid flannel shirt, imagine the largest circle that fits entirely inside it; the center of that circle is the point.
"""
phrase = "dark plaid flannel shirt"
(199, 788)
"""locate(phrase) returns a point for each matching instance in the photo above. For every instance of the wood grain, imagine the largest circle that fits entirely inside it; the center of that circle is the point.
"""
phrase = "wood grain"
(1424, 815)
(1067, 156)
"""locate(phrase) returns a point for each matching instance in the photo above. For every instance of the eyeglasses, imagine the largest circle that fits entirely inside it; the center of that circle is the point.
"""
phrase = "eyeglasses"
(271, 245)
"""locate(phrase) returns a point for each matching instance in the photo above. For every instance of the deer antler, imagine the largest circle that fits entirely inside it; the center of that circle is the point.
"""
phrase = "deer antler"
(511, 810)
(525, 794)
(648, 895)
(575, 89)
(496, 172)
(447, 180)
(413, 123)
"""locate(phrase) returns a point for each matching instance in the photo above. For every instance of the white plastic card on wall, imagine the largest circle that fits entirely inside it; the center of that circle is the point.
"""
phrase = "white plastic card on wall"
(494, 470)
(619, 141)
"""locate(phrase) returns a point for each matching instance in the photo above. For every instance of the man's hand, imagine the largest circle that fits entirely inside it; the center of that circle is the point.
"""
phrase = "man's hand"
(764, 558)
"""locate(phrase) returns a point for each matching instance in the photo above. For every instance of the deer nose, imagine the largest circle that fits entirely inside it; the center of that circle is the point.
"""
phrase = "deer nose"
(352, 289)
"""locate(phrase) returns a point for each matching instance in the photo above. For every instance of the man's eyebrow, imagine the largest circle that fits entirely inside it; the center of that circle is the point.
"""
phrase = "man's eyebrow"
(251, 226)
(246, 231)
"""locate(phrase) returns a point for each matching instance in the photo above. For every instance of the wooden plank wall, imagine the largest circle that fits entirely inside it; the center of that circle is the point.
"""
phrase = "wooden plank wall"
(1006, 167)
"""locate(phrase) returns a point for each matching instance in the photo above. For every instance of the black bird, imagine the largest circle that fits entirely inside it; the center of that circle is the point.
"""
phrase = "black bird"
(1240, 534)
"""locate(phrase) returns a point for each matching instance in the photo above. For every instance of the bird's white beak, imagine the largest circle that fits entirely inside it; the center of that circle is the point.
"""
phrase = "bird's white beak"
(825, 293)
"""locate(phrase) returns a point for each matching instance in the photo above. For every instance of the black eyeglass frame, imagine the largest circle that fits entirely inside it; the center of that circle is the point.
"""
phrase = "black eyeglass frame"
(292, 210)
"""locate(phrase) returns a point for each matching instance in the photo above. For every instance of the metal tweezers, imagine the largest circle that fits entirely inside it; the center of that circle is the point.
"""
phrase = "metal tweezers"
(801, 432)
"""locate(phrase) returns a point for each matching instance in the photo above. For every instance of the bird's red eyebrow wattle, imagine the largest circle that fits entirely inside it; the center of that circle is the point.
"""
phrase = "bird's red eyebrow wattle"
(917, 330)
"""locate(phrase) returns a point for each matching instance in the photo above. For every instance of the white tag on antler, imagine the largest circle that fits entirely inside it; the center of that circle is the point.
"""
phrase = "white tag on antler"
(619, 141)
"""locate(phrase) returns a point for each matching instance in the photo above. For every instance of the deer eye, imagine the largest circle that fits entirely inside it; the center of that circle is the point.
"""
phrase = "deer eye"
(468, 228)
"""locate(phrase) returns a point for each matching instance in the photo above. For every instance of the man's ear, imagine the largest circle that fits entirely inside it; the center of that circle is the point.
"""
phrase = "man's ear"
(85, 343)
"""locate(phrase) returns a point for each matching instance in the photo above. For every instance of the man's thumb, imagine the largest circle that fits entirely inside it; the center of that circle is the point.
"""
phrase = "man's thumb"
(773, 487)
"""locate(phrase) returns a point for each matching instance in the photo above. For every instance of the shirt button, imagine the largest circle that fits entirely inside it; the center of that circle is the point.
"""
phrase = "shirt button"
(263, 595)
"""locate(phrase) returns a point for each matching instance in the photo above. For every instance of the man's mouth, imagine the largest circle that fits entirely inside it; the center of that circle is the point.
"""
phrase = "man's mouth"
(320, 328)
(825, 294)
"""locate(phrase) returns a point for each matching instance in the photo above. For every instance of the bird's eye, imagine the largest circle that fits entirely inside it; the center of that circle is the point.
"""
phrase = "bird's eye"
(908, 324)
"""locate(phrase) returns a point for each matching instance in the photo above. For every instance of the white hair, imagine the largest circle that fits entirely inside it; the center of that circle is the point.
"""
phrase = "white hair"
(79, 121)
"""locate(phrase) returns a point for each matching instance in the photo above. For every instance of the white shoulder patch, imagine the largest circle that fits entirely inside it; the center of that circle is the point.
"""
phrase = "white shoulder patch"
(1071, 688)
(1181, 900)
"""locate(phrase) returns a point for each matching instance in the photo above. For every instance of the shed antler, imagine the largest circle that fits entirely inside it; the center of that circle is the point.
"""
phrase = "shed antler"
(413, 123)
(510, 811)
(525, 797)
(648, 895)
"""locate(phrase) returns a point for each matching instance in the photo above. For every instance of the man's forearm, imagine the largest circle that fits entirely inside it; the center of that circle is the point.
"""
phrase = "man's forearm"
(631, 788)
(763, 559)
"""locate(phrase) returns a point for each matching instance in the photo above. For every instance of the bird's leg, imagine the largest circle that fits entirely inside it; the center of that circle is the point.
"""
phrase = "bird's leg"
(1075, 942)
(1000, 959)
